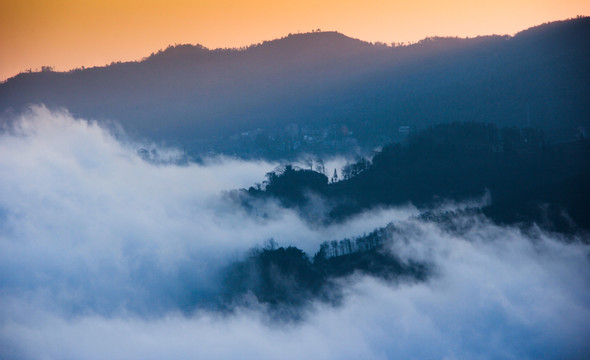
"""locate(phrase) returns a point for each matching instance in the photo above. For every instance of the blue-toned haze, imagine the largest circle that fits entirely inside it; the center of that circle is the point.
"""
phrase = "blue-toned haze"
(105, 255)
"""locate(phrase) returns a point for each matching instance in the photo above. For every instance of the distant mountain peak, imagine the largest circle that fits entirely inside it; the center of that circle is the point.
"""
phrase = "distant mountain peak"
(188, 93)
(331, 43)
(178, 51)
(318, 37)
(578, 24)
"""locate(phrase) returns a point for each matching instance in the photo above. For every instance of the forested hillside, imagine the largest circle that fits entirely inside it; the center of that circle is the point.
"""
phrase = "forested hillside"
(325, 92)
(528, 178)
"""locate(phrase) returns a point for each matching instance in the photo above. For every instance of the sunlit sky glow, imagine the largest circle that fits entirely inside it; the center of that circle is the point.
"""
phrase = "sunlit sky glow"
(73, 33)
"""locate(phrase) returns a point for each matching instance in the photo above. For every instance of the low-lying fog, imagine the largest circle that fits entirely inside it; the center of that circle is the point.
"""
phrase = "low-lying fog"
(100, 251)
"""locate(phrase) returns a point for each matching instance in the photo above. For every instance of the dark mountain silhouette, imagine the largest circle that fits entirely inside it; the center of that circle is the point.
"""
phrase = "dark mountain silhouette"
(287, 279)
(529, 179)
(539, 77)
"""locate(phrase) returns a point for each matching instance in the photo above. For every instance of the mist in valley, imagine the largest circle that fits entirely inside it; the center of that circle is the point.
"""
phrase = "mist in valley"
(108, 254)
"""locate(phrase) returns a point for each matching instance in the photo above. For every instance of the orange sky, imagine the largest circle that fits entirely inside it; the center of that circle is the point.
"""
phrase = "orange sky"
(73, 33)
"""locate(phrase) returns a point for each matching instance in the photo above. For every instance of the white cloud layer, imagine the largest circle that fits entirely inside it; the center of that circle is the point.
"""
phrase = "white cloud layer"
(100, 250)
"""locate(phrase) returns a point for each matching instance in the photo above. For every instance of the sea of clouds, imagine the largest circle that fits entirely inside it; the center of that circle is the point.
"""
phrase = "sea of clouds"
(103, 252)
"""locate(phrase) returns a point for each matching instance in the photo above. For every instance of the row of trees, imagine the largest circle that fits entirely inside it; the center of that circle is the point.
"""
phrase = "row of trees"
(334, 248)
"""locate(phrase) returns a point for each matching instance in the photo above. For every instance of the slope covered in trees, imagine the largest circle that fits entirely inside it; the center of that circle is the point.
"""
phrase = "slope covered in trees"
(288, 279)
(206, 99)
(529, 179)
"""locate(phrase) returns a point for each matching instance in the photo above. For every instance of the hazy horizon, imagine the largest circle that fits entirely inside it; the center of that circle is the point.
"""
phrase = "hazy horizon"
(68, 35)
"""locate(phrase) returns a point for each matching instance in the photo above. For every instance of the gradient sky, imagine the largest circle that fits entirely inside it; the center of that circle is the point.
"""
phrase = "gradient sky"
(73, 33)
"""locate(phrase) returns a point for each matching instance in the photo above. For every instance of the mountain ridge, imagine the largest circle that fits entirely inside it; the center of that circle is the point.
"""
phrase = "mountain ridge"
(537, 77)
